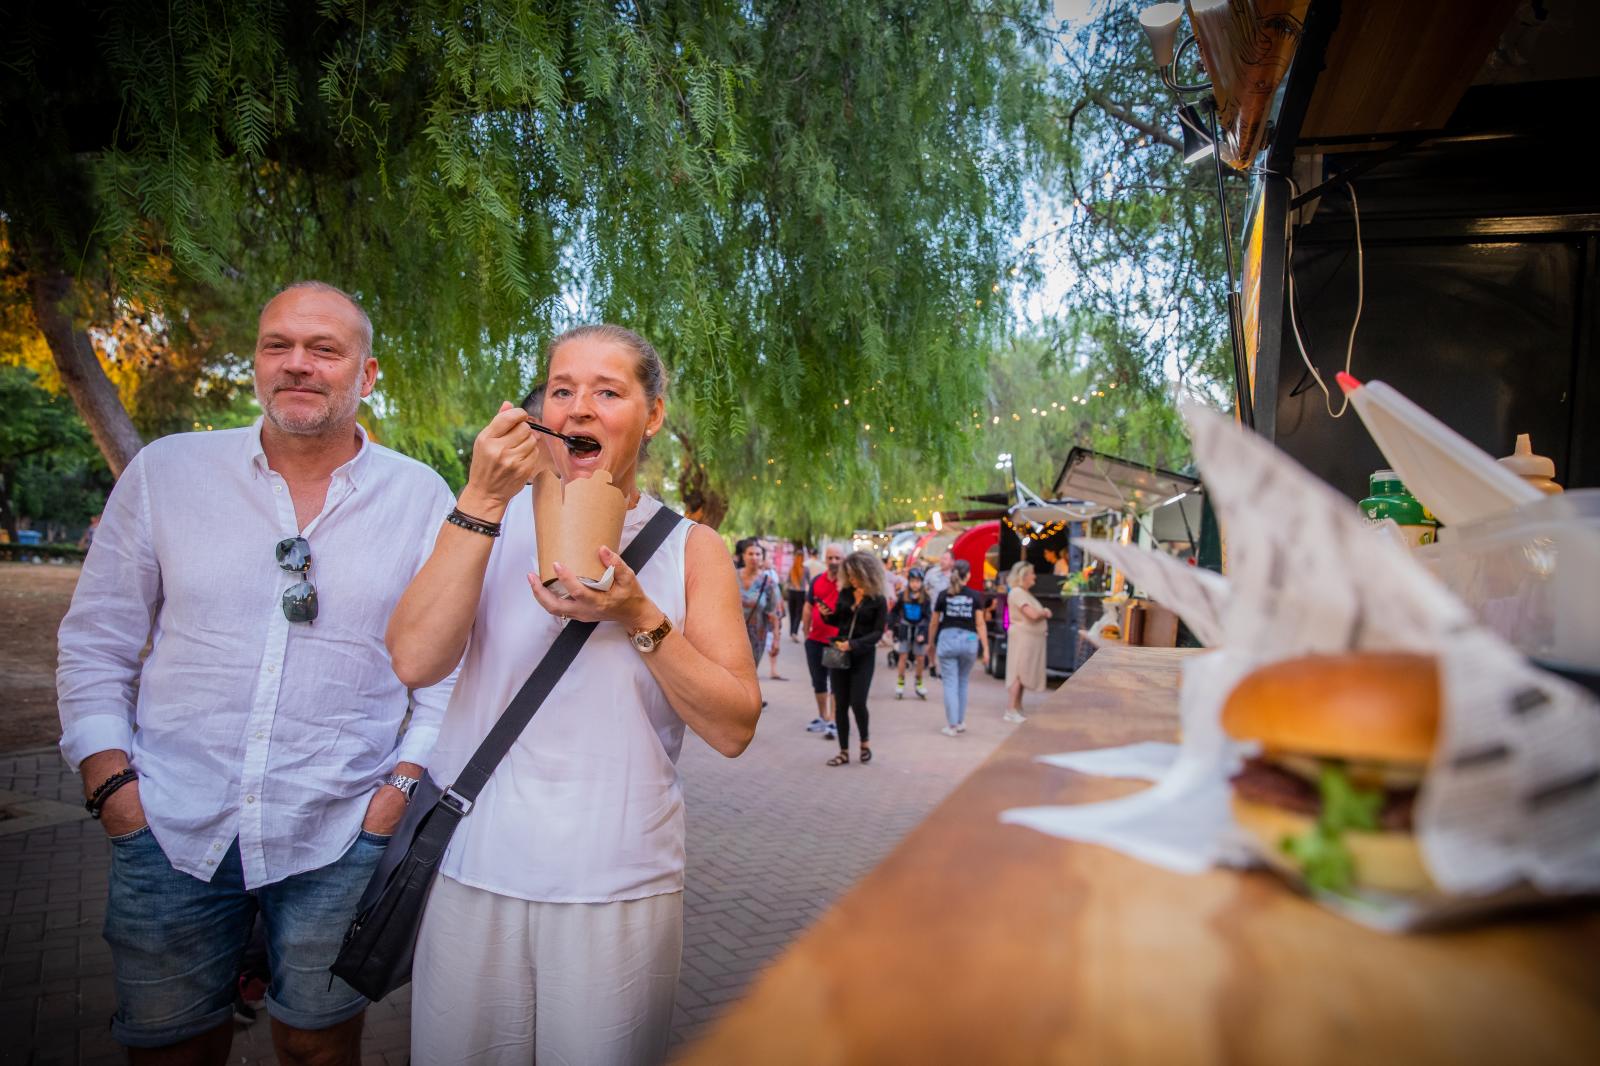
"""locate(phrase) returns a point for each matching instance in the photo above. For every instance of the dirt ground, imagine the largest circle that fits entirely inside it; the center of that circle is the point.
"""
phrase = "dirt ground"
(32, 601)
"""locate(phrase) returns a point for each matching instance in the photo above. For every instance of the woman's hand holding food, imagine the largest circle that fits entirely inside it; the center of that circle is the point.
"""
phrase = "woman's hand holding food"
(625, 601)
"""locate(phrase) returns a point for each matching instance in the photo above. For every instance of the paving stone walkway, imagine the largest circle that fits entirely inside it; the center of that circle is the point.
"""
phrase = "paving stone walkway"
(774, 837)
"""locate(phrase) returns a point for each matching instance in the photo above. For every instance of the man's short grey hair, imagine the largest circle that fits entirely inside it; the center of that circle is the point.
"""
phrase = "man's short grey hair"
(843, 551)
(312, 285)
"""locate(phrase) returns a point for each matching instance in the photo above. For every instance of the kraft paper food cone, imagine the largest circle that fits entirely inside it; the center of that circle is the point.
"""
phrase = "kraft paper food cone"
(572, 520)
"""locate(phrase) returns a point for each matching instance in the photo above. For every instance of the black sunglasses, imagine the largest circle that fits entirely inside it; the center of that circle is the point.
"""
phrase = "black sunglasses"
(299, 600)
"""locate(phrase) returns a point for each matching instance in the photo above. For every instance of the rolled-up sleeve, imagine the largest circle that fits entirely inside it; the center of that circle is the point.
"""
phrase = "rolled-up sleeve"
(106, 627)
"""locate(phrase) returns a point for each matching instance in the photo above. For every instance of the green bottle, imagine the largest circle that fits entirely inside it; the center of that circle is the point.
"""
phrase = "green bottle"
(1389, 499)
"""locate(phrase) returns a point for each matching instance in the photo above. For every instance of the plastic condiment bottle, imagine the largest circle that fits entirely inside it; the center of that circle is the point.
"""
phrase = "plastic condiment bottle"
(1536, 470)
(1389, 499)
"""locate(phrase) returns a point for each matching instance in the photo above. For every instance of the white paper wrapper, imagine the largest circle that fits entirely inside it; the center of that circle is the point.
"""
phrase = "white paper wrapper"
(1511, 803)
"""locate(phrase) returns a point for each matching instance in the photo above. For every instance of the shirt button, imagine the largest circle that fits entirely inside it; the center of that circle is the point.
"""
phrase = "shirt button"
(272, 669)
(277, 488)
(211, 862)
(249, 799)
(216, 847)
(261, 736)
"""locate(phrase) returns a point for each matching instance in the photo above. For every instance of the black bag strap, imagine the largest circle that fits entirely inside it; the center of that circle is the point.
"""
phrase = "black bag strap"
(520, 711)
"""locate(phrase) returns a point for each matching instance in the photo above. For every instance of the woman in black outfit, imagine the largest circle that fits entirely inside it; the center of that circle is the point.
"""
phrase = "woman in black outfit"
(860, 615)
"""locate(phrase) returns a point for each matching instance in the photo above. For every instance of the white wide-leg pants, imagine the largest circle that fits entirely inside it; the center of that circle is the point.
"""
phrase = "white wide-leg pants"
(499, 980)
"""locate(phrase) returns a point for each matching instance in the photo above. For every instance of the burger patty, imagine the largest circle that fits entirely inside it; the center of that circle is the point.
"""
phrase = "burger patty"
(1262, 782)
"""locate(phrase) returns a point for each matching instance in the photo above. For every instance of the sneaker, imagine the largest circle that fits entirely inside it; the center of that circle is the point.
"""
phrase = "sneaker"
(817, 725)
(243, 1013)
(831, 732)
(1013, 716)
(951, 731)
(922, 691)
(900, 688)
(961, 727)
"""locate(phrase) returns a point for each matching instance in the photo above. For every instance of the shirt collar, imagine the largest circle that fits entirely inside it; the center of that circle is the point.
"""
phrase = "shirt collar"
(351, 470)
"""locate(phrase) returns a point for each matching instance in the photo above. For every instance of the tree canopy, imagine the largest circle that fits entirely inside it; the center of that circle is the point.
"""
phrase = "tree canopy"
(811, 208)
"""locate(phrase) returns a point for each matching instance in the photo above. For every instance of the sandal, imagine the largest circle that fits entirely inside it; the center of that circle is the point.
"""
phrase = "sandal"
(866, 754)
(839, 759)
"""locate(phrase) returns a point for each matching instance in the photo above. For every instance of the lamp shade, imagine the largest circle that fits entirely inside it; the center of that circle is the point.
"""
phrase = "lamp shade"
(1197, 142)
(1160, 22)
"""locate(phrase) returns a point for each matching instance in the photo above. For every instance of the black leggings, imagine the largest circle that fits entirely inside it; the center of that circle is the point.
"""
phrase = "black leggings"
(797, 603)
(850, 695)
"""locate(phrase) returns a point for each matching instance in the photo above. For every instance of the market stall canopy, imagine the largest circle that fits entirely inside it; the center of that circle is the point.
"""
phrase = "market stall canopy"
(973, 546)
(1118, 483)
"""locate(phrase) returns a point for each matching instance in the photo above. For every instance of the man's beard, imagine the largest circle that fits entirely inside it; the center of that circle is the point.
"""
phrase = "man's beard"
(309, 423)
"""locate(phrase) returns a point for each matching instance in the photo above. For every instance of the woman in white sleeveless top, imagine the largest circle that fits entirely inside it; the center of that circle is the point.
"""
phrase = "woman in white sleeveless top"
(555, 929)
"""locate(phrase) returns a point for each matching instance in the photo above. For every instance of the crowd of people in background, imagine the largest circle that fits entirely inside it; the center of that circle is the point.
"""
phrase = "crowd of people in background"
(843, 606)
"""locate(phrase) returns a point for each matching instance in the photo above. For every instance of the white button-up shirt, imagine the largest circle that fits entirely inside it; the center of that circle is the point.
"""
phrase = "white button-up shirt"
(240, 722)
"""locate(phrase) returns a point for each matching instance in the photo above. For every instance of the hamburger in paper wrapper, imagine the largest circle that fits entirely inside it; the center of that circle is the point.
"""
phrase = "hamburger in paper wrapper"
(1356, 727)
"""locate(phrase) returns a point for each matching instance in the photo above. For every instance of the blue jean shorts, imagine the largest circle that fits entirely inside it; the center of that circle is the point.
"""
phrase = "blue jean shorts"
(177, 942)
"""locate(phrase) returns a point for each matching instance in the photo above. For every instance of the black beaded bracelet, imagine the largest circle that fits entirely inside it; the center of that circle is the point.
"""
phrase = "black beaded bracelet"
(475, 525)
(96, 802)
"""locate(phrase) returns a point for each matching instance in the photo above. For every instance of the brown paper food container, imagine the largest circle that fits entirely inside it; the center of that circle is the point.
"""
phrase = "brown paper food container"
(572, 520)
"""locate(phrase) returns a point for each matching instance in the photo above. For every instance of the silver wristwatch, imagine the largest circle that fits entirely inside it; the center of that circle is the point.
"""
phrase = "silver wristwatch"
(405, 783)
(648, 640)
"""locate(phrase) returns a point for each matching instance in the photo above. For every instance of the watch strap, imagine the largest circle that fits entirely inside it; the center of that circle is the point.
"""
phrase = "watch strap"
(404, 782)
(655, 635)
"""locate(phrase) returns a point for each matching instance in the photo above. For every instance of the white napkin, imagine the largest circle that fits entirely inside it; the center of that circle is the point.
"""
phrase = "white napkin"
(1182, 822)
(1147, 760)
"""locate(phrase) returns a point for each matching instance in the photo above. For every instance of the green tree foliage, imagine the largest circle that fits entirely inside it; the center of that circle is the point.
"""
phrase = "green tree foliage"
(1034, 408)
(798, 202)
(1135, 230)
(49, 468)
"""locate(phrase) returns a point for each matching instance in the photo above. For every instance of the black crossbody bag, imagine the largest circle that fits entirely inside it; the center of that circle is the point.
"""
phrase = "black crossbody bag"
(375, 958)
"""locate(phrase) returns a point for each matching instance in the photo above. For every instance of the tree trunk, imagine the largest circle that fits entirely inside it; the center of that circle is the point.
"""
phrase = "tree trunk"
(8, 515)
(701, 502)
(85, 379)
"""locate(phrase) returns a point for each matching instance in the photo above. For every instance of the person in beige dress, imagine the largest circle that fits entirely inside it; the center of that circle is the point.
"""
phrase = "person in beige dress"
(1025, 640)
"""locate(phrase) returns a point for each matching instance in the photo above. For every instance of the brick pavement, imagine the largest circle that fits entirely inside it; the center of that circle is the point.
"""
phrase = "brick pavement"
(774, 837)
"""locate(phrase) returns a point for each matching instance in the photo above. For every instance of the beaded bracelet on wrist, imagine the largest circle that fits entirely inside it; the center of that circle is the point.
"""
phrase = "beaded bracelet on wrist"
(97, 801)
(475, 525)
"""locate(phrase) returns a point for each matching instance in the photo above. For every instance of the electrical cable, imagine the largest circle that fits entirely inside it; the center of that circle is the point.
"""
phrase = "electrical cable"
(1361, 293)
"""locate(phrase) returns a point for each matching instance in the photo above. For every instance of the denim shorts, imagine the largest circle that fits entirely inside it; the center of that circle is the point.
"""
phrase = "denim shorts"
(177, 942)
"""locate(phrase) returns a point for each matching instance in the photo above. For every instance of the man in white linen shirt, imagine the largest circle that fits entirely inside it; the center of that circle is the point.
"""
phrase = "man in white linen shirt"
(262, 731)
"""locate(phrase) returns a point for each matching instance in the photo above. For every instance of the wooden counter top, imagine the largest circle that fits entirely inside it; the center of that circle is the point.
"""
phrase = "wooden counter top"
(975, 942)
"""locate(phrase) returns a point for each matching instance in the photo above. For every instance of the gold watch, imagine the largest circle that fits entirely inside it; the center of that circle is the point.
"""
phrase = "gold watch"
(648, 640)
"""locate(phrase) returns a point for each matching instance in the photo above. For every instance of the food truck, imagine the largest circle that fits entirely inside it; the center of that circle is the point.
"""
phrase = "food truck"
(1417, 183)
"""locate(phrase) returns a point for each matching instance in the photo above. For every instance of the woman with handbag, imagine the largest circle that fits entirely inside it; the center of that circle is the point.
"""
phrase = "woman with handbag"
(860, 615)
(554, 928)
(759, 596)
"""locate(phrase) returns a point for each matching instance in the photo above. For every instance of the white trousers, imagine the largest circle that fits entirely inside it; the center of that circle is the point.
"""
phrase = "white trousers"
(499, 980)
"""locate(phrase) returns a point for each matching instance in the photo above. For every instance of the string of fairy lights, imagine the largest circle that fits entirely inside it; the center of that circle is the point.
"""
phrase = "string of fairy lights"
(1084, 204)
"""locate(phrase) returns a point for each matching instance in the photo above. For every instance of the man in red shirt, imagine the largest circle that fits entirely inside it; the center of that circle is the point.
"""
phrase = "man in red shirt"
(824, 589)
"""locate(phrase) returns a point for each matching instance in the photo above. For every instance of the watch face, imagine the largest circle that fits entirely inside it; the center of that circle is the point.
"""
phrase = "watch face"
(643, 642)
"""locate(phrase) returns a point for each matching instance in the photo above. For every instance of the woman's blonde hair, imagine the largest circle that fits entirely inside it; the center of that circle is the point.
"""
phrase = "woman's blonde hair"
(1014, 575)
(863, 571)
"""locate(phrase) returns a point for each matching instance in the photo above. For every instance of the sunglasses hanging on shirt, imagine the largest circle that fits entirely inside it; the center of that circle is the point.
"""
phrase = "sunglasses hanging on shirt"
(300, 599)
